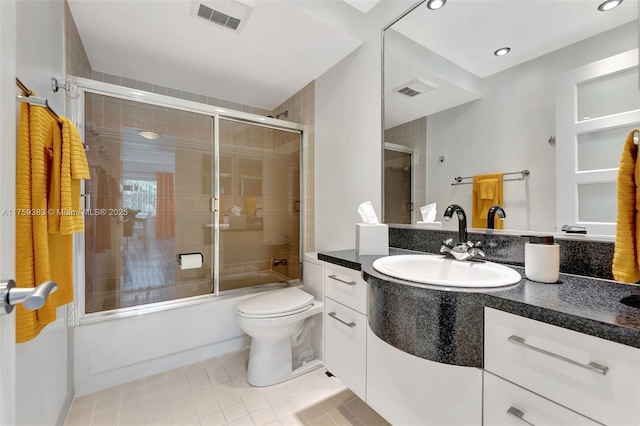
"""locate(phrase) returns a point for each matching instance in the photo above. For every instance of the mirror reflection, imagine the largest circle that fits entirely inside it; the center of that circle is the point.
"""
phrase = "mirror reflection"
(537, 131)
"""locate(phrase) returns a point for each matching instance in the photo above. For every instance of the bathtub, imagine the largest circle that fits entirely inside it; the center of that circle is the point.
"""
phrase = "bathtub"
(128, 344)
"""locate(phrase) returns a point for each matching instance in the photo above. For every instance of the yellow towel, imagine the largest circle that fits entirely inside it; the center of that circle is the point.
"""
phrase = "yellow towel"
(48, 172)
(32, 248)
(487, 191)
(74, 167)
(626, 258)
(488, 188)
(251, 204)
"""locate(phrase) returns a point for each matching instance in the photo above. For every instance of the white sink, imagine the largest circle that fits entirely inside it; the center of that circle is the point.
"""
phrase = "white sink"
(438, 270)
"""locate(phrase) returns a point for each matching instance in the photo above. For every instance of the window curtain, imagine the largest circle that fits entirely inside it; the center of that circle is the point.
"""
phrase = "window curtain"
(165, 207)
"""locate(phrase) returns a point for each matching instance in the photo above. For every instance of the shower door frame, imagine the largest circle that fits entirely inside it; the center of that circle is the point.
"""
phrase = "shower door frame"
(84, 86)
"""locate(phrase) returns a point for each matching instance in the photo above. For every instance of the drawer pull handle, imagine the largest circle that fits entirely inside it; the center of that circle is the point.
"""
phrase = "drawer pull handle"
(592, 366)
(335, 317)
(334, 277)
(517, 414)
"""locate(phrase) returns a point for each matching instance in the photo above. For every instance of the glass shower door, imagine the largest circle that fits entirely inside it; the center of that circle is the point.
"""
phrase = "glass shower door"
(259, 204)
(148, 201)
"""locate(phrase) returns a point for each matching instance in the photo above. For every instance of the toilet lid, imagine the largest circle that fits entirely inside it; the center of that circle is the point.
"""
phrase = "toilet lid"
(276, 302)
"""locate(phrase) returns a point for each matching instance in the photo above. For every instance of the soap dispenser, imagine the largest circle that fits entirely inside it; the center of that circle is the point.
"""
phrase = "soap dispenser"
(542, 259)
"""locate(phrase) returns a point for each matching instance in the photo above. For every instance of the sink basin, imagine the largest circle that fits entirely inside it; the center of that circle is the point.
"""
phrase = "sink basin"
(438, 270)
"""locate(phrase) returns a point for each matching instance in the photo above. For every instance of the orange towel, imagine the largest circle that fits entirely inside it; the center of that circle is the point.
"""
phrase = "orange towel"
(626, 258)
(487, 191)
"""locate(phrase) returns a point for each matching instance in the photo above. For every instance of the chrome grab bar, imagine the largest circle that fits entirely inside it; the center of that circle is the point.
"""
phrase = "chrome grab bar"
(348, 324)
(517, 414)
(592, 366)
(334, 277)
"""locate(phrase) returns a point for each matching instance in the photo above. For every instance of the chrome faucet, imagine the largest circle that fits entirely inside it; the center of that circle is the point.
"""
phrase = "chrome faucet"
(492, 214)
(464, 250)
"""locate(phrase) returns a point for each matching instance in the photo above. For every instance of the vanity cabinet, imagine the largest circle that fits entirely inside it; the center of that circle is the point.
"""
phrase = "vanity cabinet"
(596, 378)
(345, 325)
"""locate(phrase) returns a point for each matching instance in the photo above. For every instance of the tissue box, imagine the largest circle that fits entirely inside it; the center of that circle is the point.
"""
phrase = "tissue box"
(372, 239)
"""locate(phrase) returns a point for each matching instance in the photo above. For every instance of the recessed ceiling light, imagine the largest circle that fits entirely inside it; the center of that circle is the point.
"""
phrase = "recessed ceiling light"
(149, 134)
(608, 5)
(502, 51)
(436, 4)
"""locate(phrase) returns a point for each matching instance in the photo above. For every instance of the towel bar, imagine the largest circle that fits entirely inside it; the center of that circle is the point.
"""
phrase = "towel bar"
(523, 174)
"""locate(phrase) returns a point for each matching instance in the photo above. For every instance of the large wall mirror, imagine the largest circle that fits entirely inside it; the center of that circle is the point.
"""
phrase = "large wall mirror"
(547, 121)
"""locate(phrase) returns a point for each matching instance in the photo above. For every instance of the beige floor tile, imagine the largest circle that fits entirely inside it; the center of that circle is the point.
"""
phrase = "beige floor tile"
(371, 418)
(215, 419)
(200, 384)
(263, 416)
(255, 403)
(229, 399)
(243, 421)
(207, 407)
(235, 412)
(78, 421)
(215, 393)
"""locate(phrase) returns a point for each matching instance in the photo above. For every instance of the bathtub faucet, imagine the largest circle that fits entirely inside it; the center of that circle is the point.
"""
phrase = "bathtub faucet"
(277, 262)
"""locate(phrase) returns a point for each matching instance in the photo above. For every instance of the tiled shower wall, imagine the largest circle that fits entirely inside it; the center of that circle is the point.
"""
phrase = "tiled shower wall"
(301, 108)
(413, 134)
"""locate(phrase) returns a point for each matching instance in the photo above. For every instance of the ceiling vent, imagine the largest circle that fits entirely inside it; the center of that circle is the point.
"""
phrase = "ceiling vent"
(415, 87)
(227, 14)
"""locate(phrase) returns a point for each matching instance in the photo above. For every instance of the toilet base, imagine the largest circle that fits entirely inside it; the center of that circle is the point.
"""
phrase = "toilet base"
(270, 363)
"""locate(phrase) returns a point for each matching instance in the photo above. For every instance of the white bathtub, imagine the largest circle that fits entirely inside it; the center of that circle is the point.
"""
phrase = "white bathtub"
(116, 350)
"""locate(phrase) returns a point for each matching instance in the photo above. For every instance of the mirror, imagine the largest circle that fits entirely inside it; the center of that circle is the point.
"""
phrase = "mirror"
(463, 110)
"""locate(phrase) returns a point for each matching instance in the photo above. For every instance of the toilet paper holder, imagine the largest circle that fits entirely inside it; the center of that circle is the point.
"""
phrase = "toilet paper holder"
(186, 255)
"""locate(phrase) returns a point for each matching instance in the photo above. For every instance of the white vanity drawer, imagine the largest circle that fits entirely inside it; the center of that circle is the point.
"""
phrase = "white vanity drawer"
(346, 286)
(345, 345)
(508, 404)
(565, 366)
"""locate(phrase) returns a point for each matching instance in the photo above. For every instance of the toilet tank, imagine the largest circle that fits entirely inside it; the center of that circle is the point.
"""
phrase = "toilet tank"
(312, 275)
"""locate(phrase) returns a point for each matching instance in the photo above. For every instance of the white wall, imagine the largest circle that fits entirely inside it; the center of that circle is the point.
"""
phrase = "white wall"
(7, 198)
(42, 376)
(507, 130)
(113, 352)
(349, 135)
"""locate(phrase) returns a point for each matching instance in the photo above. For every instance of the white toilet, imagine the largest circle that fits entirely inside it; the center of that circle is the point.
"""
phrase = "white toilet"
(279, 323)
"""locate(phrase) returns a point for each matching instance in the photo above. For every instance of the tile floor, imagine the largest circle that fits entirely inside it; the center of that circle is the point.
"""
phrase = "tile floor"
(215, 392)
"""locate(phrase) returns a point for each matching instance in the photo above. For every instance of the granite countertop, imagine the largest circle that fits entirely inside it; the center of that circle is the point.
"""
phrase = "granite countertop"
(587, 305)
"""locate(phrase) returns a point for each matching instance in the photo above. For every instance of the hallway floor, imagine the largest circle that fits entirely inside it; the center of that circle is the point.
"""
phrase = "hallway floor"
(215, 392)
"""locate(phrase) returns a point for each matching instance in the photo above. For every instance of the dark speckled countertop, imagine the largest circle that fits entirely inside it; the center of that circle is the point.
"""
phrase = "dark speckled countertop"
(587, 305)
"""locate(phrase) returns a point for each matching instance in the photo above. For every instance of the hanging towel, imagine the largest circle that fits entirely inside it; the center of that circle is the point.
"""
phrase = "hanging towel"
(487, 191)
(626, 258)
(68, 166)
(32, 248)
(74, 167)
(165, 207)
(43, 251)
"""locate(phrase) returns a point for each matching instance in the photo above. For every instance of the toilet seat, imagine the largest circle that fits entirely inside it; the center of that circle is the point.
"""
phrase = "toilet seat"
(279, 303)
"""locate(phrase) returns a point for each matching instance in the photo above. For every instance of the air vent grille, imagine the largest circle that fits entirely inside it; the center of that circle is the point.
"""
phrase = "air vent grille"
(218, 17)
(415, 87)
(228, 14)
(408, 91)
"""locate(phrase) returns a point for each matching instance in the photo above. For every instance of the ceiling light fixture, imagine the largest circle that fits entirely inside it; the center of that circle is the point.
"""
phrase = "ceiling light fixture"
(149, 134)
(502, 51)
(608, 5)
(436, 4)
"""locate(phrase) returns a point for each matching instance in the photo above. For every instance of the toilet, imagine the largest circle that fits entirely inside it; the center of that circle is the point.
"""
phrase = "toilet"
(279, 323)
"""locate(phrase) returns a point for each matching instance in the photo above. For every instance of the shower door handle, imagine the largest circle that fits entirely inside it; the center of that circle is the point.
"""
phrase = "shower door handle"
(31, 298)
